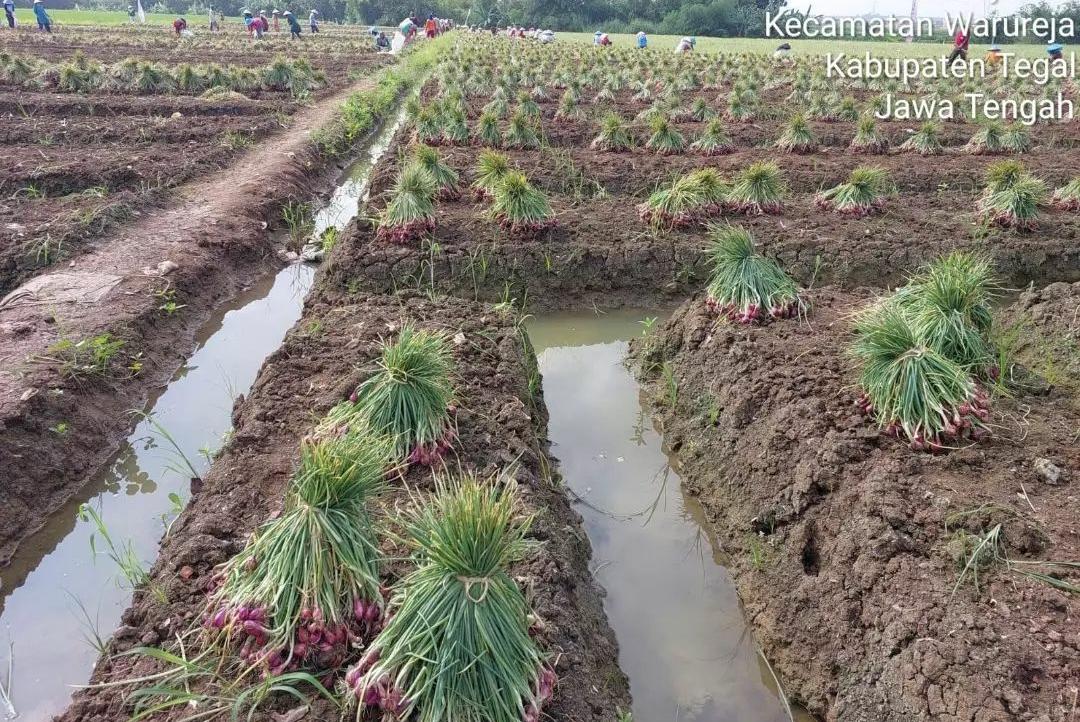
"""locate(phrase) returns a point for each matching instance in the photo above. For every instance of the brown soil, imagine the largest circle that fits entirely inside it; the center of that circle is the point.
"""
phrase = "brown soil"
(842, 541)
(500, 425)
(217, 232)
(1045, 326)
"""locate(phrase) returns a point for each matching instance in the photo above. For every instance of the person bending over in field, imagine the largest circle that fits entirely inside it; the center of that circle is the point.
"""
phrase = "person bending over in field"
(44, 22)
(294, 25)
(686, 45)
(179, 26)
(960, 47)
(9, 12)
(382, 43)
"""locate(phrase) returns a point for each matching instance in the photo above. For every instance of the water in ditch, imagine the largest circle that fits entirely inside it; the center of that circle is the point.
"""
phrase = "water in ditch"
(56, 595)
(683, 640)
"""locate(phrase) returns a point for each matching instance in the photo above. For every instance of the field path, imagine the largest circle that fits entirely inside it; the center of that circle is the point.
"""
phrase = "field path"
(205, 243)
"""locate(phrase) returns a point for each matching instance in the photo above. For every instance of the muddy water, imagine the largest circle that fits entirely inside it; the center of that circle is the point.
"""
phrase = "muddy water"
(55, 571)
(683, 640)
(57, 596)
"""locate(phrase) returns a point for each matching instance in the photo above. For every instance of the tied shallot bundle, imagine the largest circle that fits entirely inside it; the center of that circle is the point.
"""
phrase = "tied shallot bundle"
(306, 584)
(758, 189)
(410, 213)
(797, 136)
(446, 178)
(1067, 198)
(456, 645)
(1015, 205)
(912, 390)
(491, 168)
(520, 209)
(747, 287)
(409, 398)
(863, 193)
(868, 139)
(713, 140)
(690, 199)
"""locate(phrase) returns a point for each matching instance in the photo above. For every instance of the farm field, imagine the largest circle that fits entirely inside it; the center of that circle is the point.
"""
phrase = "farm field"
(842, 350)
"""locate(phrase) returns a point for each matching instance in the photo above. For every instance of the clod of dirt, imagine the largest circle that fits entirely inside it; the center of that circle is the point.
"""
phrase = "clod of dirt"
(1047, 471)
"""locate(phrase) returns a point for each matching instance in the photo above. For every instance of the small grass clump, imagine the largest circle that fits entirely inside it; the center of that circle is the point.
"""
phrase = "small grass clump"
(614, 136)
(925, 140)
(758, 189)
(1012, 197)
(307, 583)
(665, 139)
(520, 208)
(797, 136)
(713, 140)
(457, 643)
(410, 213)
(861, 195)
(491, 168)
(409, 398)
(1016, 138)
(747, 287)
(914, 391)
(1067, 198)
(520, 132)
(988, 139)
(868, 139)
(446, 178)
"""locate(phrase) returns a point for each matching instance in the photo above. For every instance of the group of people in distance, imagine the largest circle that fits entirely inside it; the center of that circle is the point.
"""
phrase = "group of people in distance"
(44, 22)
(641, 40)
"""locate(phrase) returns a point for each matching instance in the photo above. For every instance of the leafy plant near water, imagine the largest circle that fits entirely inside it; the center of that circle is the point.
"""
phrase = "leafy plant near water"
(758, 189)
(308, 581)
(520, 208)
(491, 168)
(861, 195)
(747, 287)
(797, 136)
(924, 141)
(92, 356)
(868, 139)
(410, 213)
(665, 139)
(446, 178)
(457, 646)
(409, 398)
(614, 135)
(713, 140)
(912, 389)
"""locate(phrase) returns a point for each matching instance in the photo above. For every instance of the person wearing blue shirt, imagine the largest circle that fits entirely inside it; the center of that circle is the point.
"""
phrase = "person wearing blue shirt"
(44, 22)
(9, 11)
(642, 40)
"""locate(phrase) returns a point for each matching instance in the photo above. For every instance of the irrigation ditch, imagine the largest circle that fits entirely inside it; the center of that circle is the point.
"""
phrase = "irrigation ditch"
(776, 553)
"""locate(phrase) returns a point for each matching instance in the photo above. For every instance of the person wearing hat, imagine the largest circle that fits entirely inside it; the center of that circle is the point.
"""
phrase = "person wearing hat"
(1054, 51)
(44, 22)
(642, 40)
(294, 25)
(686, 45)
(313, 21)
(993, 55)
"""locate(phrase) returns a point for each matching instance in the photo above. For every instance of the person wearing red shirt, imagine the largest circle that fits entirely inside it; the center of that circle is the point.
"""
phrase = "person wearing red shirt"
(960, 47)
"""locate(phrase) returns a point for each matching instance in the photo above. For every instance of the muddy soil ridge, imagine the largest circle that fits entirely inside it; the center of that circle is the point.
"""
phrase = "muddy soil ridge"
(197, 251)
(501, 426)
(844, 544)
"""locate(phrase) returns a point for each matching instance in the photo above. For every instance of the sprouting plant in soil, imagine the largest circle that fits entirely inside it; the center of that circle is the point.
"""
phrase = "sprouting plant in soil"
(458, 606)
(121, 553)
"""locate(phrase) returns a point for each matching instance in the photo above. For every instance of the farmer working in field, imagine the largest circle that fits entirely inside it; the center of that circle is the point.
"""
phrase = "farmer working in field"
(131, 13)
(313, 21)
(294, 25)
(993, 55)
(44, 22)
(9, 11)
(431, 27)
(382, 43)
(179, 26)
(642, 40)
(686, 45)
(960, 47)
(1054, 50)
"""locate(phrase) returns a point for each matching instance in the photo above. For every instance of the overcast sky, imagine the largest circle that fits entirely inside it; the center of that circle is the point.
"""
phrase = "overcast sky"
(927, 8)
